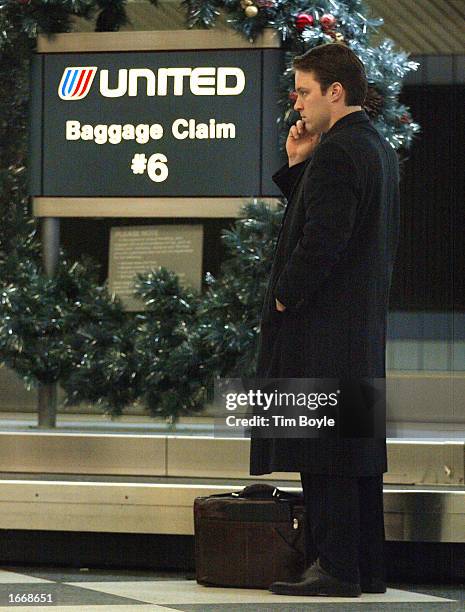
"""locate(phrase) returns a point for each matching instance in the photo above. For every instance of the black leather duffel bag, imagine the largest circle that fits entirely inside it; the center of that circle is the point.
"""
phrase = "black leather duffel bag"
(249, 538)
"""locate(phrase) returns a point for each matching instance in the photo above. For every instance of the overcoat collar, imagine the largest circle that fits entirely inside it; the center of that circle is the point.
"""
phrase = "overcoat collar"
(350, 119)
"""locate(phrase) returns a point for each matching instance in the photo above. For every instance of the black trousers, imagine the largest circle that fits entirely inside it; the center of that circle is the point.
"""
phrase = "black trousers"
(345, 525)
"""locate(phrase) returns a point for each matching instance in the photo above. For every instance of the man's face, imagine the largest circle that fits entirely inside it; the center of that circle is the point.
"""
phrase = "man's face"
(313, 106)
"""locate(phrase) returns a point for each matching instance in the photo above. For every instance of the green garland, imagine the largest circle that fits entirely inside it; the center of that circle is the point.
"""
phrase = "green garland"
(70, 330)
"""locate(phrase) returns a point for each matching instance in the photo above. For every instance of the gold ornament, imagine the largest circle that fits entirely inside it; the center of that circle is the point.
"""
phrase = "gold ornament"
(251, 11)
(336, 36)
(246, 3)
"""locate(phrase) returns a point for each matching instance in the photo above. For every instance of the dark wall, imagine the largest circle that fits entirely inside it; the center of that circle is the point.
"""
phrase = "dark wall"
(431, 256)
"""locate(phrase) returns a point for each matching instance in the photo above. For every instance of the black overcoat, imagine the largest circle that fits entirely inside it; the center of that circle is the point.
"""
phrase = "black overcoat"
(332, 270)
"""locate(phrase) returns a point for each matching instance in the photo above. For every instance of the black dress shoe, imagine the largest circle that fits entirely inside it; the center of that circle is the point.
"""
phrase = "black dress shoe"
(373, 586)
(316, 581)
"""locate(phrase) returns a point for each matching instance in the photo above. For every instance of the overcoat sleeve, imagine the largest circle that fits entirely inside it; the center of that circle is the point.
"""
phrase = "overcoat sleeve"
(332, 198)
(285, 178)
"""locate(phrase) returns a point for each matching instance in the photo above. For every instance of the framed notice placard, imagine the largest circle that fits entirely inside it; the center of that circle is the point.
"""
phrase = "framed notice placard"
(160, 122)
(141, 249)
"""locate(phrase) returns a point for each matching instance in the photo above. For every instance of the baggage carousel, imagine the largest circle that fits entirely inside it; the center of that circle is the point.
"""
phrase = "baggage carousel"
(135, 476)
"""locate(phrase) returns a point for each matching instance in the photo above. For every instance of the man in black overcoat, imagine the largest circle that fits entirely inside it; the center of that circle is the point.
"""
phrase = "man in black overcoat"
(325, 311)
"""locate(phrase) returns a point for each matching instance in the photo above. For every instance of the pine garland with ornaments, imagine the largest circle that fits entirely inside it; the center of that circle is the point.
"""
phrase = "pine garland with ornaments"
(303, 25)
(41, 317)
(71, 330)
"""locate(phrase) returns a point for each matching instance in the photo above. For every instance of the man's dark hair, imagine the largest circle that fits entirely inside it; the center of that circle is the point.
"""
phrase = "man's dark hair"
(333, 62)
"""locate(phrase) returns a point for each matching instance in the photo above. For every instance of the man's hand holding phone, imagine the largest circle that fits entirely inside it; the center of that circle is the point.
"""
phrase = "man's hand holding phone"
(300, 143)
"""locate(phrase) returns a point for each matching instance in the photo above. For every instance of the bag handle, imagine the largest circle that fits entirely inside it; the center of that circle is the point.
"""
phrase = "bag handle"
(257, 491)
(262, 491)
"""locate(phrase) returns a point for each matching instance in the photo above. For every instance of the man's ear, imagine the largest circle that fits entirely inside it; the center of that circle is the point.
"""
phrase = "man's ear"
(337, 91)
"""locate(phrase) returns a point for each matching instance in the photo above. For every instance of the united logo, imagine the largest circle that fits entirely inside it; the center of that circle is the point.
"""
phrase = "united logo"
(75, 82)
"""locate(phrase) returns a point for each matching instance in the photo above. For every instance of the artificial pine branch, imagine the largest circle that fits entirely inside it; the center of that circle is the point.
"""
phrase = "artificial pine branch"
(112, 15)
(200, 13)
(174, 381)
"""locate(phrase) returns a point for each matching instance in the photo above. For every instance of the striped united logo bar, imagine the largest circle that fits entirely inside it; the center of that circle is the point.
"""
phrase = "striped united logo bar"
(75, 82)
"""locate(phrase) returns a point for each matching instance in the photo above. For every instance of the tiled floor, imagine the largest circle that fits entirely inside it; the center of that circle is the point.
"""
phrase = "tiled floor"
(76, 590)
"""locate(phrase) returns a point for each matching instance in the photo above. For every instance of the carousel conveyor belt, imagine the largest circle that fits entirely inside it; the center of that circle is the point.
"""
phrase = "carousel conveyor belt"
(163, 505)
(138, 477)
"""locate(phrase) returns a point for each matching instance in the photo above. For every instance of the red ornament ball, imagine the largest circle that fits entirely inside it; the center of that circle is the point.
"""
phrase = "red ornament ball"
(406, 118)
(293, 96)
(327, 21)
(303, 21)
